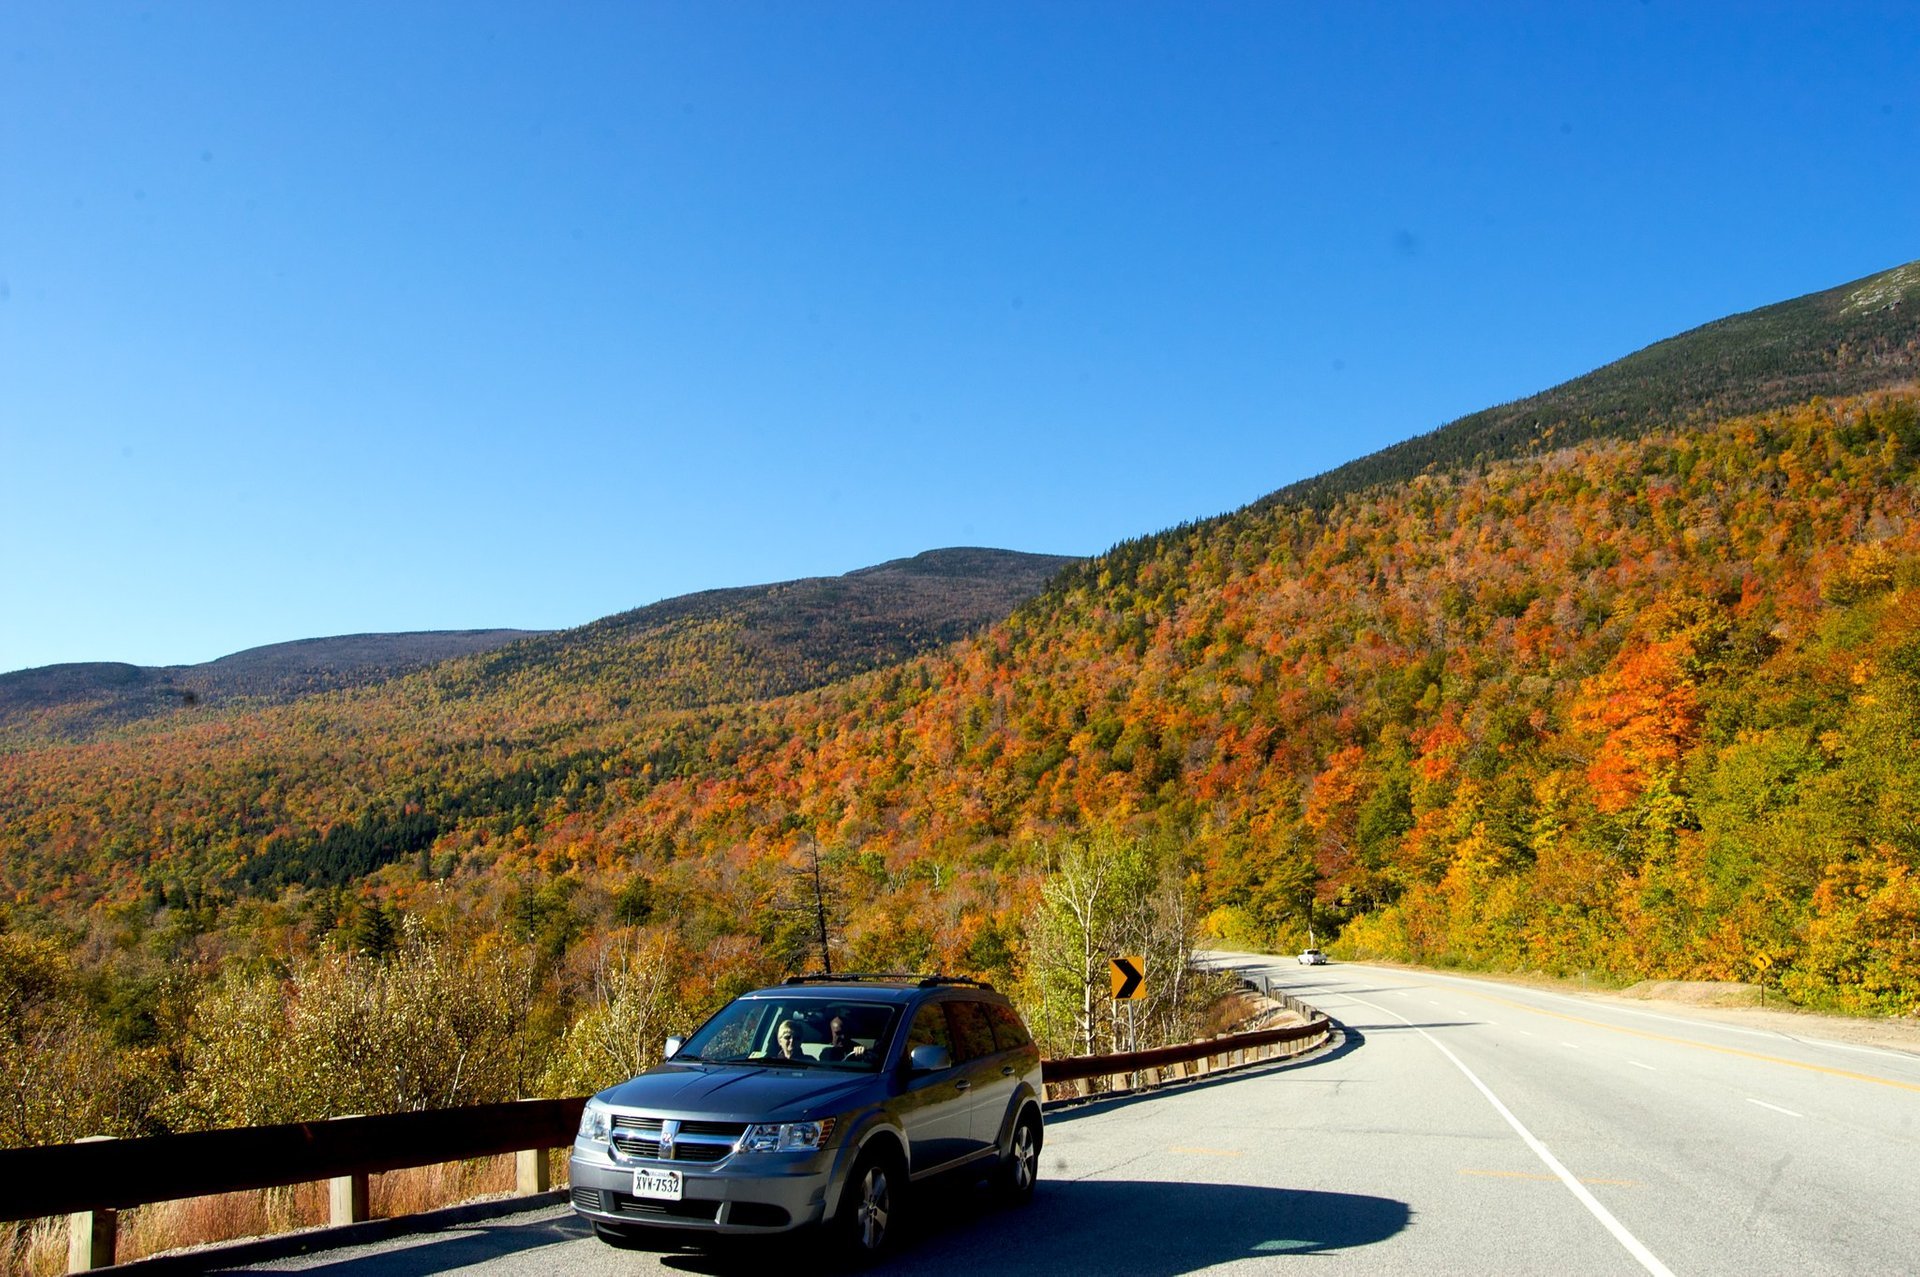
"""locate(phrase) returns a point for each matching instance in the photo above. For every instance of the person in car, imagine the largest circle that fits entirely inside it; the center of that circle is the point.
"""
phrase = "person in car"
(839, 1046)
(786, 1043)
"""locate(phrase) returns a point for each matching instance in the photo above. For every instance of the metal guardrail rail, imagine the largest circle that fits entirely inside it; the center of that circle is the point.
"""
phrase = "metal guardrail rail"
(92, 1180)
(1236, 1048)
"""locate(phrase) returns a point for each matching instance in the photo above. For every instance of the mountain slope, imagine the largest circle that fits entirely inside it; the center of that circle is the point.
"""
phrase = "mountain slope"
(1640, 705)
(1847, 340)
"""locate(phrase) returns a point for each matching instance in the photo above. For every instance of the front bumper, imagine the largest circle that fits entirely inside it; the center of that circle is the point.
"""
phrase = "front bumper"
(742, 1195)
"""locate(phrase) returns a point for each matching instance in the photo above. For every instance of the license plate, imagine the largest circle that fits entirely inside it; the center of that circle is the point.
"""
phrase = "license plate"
(662, 1185)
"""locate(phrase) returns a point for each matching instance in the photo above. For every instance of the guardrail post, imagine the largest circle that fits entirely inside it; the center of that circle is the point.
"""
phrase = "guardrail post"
(530, 1174)
(91, 1239)
(347, 1199)
(91, 1234)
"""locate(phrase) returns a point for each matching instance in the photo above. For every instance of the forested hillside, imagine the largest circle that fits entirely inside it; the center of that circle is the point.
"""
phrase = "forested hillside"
(1646, 707)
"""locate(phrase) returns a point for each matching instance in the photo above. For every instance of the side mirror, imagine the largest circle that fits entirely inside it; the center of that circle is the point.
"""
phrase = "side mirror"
(674, 1044)
(930, 1058)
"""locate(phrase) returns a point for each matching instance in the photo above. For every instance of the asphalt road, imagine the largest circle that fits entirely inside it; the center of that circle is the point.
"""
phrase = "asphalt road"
(1456, 1126)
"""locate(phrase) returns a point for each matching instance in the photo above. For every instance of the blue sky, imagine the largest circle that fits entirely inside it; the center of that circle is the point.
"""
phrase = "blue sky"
(320, 318)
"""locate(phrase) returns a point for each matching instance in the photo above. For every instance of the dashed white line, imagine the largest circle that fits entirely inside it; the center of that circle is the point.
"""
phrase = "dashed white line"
(1648, 1067)
(1775, 1107)
(1634, 1247)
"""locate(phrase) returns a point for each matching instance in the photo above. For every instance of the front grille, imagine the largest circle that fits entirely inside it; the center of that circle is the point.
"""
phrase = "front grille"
(692, 1141)
(647, 1207)
(587, 1199)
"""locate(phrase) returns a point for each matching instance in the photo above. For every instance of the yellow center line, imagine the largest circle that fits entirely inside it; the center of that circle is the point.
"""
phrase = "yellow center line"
(1703, 1046)
(1551, 1179)
(1210, 1152)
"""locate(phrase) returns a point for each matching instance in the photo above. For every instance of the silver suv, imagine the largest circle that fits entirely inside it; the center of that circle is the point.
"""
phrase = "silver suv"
(817, 1101)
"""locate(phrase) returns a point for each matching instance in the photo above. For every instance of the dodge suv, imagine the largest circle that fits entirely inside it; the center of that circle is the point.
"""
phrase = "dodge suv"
(817, 1101)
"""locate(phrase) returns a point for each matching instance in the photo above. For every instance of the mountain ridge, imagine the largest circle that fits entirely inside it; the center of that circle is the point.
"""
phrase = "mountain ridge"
(833, 625)
(1856, 337)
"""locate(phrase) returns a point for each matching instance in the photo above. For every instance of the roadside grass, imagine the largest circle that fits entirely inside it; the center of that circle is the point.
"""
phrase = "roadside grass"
(38, 1248)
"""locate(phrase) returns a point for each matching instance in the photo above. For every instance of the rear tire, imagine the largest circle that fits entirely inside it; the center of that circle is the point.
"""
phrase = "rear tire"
(1020, 1167)
(870, 1208)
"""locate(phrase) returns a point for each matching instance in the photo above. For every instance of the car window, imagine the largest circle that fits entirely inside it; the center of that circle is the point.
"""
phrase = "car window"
(929, 1029)
(1008, 1031)
(749, 1029)
(972, 1033)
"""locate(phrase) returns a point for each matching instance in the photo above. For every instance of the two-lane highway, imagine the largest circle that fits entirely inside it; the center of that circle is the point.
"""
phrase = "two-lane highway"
(1457, 1126)
(1699, 1146)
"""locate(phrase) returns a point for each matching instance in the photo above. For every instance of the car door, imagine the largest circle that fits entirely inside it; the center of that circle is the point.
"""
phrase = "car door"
(989, 1086)
(935, 1107)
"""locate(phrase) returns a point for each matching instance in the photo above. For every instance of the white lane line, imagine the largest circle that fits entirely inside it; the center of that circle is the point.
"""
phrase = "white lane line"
(1775, 1107)
(1908, 1056)
(1592, 1006)
(1633, 1244)
(1570, 1046)
(1648, 1067)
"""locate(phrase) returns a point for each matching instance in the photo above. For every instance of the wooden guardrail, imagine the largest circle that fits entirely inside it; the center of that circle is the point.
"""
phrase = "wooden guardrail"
(90, 1181)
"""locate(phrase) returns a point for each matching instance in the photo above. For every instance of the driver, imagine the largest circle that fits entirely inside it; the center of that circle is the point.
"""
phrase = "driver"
(839, 1046)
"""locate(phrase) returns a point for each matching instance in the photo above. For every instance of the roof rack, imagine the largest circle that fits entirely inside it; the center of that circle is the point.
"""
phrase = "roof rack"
(890, 977)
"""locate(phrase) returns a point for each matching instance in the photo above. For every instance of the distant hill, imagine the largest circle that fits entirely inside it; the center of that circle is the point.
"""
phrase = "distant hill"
(714, 647)
(755, 642)
(1859, 337)
(77, 701)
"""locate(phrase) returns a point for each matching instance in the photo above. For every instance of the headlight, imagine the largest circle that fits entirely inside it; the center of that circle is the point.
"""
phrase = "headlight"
(595, 1118)
(786, 1137)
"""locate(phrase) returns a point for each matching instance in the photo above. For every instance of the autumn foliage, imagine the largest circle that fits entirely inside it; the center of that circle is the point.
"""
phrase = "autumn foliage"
(1644, 708)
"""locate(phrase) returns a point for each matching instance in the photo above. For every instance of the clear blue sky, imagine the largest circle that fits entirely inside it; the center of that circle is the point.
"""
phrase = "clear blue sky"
(328, 317)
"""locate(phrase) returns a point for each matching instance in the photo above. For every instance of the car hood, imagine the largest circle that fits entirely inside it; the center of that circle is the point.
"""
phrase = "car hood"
(740, 1092)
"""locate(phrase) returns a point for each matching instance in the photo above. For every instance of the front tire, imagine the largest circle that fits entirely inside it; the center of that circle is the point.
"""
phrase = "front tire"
(870, 1214)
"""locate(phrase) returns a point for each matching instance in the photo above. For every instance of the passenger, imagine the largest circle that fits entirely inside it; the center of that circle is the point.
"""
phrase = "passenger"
(839, 1046)
(786, 1043)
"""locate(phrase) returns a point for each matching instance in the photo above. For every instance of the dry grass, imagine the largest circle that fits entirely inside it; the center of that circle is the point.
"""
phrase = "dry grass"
(38, 1248)
(1238, 1012)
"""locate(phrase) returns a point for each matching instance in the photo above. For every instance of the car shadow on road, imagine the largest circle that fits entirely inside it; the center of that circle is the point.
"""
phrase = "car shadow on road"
(1111, 1226)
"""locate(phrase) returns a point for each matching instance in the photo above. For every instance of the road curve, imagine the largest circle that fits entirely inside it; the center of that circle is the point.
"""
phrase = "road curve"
(1455, 1126)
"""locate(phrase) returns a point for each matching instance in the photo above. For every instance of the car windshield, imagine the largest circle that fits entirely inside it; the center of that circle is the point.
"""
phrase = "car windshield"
(796, 1032)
